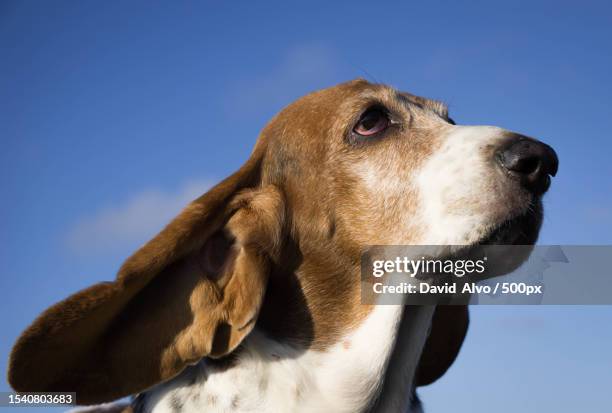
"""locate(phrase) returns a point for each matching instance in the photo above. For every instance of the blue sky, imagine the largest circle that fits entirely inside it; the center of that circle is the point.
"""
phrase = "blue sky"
(114, 114)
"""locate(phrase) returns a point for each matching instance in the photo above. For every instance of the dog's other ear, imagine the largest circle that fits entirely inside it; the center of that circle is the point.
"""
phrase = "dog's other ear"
(448, 330)
(194, 290)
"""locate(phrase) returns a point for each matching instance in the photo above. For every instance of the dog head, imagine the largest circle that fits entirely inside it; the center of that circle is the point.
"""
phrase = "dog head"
(278, 243)
(378, 166)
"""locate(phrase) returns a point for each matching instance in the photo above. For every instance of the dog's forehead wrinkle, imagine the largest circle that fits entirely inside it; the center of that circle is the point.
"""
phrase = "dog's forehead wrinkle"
(426, 104)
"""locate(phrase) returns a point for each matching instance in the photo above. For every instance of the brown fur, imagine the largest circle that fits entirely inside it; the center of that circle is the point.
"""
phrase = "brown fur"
(281, 238)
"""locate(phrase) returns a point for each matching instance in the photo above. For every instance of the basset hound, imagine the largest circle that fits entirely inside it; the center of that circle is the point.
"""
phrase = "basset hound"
(249, 300)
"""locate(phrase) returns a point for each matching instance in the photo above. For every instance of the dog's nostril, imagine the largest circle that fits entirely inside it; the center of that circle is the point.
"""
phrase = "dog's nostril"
(531, 161)
(526, 165)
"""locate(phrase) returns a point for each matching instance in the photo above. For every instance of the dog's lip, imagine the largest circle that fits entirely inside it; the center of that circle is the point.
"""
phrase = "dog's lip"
(515, 230)
(496, 236)
(500, 231)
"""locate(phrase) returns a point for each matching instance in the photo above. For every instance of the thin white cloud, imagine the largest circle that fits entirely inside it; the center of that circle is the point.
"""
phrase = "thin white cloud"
(132, 221)
(301, 69)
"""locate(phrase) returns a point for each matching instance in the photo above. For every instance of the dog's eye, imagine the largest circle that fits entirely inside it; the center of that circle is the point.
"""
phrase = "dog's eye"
(372, 122)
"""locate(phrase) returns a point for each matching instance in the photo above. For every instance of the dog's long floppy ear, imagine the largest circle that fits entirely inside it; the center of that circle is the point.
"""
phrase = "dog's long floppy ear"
(194, 290)
(448, 329)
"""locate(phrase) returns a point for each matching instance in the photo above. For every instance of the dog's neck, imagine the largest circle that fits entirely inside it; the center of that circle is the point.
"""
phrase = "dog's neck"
(315, 348)
(398, 387)
(371, 369)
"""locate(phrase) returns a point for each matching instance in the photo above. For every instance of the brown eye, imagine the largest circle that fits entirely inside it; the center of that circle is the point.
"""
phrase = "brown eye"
(372, 122)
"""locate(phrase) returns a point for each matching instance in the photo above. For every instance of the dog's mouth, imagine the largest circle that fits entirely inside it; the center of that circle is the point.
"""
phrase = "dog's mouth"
(510, 243)
(522, 229)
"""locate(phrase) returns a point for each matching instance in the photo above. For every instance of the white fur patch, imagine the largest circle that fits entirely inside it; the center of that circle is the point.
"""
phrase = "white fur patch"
(462, 195)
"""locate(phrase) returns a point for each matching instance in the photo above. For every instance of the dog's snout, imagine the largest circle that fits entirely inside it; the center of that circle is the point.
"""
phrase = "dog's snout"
(533, 162)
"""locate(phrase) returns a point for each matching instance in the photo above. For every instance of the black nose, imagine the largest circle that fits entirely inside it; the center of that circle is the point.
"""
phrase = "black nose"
(531, 161)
